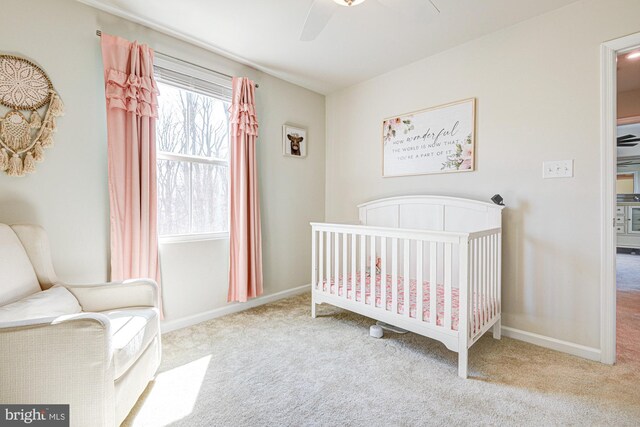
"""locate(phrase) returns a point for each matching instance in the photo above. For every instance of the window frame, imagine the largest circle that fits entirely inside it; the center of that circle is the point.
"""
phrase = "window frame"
(200, 73)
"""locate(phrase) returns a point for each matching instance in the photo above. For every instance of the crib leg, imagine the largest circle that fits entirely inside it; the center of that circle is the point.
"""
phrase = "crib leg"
(463, 356)
(497, 330)
(313, 308)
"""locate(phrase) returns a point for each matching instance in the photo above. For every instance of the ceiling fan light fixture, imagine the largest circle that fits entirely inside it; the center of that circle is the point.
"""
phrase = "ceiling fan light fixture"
(349, 2)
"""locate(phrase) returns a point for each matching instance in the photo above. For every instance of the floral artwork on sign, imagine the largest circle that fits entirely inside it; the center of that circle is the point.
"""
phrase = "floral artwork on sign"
(437, 140)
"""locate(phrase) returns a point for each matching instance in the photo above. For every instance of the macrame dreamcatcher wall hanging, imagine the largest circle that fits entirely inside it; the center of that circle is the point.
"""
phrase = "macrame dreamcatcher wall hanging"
(25, 87)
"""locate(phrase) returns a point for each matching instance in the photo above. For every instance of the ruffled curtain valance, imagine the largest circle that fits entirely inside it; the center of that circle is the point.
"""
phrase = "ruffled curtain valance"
(135, 94)
(243, 119)
(130, 86)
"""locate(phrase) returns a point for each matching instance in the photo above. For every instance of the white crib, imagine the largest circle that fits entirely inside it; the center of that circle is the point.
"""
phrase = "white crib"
(450, 242)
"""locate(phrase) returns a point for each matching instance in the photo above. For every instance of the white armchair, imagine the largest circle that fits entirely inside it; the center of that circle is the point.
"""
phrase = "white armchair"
(96, 354)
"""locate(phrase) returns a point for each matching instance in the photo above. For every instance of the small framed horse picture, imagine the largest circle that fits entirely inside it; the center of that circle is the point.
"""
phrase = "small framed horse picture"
(294, 141)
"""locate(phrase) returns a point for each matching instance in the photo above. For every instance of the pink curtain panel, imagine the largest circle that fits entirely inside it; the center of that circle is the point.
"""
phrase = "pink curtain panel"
(131, 97)
(245, 268)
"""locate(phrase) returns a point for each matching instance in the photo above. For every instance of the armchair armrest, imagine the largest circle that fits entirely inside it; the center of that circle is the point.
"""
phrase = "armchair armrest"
(67, 359)
(114, 295)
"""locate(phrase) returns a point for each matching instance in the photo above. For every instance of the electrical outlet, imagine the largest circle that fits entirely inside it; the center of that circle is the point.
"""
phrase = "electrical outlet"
(557, 169)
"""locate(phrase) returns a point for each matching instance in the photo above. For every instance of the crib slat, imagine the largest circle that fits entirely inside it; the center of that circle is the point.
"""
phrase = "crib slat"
(487, 276)
(328, 261)
(373, 271)
(470, 296)
(363, 272)
(486, 296)
(433, 283)
(476, 266)
(483, 293)
(406, 280)
(499, 292)
(321, 260)
(496, 295)
(447, 286)
(481, 265)
(463, 292)
(493, 276)
(419, 287)
(394, 275)
(472, 287)
(336, 260)
(354, 267)
(383, 273)
(314, 276)
(478, 283)
(344, 265)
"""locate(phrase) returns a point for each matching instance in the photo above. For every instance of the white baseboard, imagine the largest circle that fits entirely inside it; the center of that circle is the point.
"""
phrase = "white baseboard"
(590, 353)
(172, 325)
(585, 352)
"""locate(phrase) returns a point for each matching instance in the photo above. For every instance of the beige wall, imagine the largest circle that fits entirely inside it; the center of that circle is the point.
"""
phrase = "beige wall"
(68, 194)
(629, 104)
(537, 90)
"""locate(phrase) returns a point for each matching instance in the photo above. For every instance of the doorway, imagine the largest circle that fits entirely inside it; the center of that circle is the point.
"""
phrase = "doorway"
(620, 309)
(628, 205)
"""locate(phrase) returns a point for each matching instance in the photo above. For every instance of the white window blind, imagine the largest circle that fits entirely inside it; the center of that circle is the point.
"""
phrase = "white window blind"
(193, 84)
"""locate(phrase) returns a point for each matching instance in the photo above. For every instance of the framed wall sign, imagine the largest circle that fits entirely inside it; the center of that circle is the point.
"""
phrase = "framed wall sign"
(436, 140)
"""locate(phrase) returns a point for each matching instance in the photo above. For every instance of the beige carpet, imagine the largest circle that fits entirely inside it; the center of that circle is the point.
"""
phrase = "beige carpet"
(275, 366)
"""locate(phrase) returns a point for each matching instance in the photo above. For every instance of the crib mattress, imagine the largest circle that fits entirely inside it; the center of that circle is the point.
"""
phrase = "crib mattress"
(426, 302)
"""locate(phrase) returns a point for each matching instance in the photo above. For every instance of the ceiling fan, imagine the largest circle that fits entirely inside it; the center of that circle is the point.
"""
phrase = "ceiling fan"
(627, 141)
(321, 11)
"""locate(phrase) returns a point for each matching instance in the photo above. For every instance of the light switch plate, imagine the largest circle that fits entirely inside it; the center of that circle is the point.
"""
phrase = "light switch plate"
(557, 169)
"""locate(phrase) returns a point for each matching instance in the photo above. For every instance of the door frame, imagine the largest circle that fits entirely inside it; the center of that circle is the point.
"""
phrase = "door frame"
(608, 168)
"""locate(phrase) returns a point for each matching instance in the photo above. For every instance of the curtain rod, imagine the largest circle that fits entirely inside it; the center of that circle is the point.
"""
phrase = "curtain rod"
(99, 34)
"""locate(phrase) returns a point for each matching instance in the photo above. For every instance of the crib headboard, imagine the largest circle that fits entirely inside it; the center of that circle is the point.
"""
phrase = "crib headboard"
(438, 213)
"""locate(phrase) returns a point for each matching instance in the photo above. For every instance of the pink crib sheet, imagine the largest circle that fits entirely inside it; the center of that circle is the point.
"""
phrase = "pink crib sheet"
(426, 306)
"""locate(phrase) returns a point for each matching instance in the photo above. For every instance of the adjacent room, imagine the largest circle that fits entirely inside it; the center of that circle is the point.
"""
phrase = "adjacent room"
(628, 205)
(319, 212)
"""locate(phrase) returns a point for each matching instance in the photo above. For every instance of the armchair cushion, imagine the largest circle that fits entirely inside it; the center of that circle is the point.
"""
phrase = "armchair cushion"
(116, 295)
(132, 330)
(54, 302)
(17, 276)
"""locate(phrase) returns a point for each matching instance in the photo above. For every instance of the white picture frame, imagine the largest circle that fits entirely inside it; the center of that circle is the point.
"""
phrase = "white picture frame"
(294, 141)
(440, 139)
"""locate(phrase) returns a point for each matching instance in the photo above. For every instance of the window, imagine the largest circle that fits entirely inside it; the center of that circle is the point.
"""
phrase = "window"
(192, 137)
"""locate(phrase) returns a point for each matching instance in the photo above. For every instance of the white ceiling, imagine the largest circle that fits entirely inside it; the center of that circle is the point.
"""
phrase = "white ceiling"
(628, 75)
(358, 43)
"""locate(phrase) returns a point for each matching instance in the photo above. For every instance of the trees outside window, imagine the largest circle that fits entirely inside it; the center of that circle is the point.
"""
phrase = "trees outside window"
(192, 135)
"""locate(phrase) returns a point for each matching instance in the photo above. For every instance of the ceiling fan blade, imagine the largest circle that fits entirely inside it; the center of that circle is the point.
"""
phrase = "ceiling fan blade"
(626, 144)
(630, 140)
(319, 14)
(624, 137)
